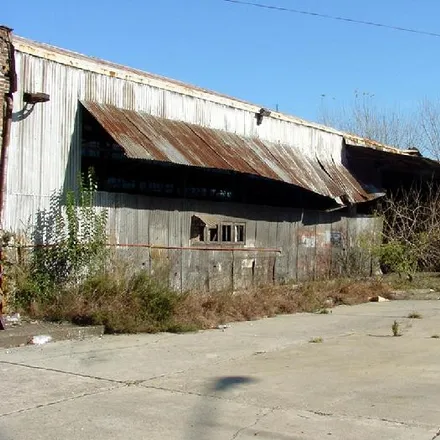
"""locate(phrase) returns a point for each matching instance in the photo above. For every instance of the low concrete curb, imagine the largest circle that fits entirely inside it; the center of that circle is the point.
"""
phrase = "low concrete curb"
(22, 335)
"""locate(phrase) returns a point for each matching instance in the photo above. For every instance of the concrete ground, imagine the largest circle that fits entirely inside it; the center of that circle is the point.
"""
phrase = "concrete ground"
(261, 379)
(20, 334)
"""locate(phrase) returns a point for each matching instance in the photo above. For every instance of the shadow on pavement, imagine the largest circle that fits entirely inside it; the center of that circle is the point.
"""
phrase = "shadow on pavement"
(206, 412)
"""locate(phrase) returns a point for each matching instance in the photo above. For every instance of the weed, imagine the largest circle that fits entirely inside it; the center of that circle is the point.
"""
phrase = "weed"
(396, 329)
(415, 315)
(126, 300)
(71, 244)
(316, 340)
(435, 336)
(323, 312)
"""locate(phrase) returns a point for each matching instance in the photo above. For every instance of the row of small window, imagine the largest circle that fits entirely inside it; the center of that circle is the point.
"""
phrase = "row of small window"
(115, 183)
(223, 232)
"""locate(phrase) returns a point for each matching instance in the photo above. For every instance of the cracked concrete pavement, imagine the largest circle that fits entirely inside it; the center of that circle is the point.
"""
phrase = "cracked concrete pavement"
(260, 379)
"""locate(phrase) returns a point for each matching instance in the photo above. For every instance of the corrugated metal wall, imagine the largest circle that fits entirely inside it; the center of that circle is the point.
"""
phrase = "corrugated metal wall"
(281, 245)
(45, 155)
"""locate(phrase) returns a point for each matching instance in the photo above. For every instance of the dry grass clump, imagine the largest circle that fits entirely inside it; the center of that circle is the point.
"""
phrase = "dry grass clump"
(128, 302)
(208, 310)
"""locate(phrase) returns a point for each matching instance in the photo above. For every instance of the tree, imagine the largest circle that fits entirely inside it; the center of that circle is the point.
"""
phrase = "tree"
(411, 229)
(411, 232)
(419, 128)
(429, 120)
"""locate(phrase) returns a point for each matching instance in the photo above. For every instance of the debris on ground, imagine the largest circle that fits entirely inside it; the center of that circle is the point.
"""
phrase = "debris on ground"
(13, 319)
(377, 298)
(40, 339)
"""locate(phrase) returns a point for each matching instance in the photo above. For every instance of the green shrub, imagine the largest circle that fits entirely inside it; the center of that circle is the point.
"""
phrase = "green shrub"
(399, 257)
(71, 242)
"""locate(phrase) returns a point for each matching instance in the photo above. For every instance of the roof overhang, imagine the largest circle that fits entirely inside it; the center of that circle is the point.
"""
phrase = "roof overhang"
(143, 136)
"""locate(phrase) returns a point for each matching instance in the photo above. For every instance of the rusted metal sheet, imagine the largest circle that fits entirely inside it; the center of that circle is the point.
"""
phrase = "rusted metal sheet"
(143, 136)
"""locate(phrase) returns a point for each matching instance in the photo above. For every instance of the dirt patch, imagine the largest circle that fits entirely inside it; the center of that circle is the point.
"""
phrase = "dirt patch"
(424, 286)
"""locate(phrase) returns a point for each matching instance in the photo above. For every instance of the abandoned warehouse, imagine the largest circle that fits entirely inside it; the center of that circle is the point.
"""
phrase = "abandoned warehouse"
(209, 191)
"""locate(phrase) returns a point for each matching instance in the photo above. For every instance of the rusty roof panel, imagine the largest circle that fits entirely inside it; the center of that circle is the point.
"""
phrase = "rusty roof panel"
(143, 136)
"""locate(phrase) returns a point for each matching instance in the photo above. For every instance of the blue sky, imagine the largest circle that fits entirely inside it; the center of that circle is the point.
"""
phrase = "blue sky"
(266, 57)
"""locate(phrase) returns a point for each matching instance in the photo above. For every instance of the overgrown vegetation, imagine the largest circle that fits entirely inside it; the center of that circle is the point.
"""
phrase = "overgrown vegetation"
(118, 298)
(411, 230)
(71, 276)
(129, 301)
(411, 238)
(70, 245)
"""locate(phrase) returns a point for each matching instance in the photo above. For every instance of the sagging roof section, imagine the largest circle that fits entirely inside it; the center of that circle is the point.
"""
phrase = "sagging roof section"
(143, 136)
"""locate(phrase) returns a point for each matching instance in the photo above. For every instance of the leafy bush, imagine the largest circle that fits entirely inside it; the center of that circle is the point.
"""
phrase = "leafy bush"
(70, 242)
(397, 256)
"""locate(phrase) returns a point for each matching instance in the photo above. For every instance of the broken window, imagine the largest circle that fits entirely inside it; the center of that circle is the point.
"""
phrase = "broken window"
(207, 228)
(213, 234)
(197, 229)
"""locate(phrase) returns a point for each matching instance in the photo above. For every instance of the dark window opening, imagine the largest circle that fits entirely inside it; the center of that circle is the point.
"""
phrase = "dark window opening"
(197, 229)
(213, 233)
(227, 233)
(239, 233)
(205, 229)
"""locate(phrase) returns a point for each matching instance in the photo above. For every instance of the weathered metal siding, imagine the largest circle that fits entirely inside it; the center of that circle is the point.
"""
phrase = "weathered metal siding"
(45, 156)
(45, 144)
(290, 245)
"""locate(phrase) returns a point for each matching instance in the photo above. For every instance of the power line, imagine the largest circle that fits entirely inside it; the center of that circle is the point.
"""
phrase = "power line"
(332, 17)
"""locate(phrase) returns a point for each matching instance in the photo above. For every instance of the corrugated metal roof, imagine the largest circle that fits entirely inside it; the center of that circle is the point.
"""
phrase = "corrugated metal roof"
(143, 136)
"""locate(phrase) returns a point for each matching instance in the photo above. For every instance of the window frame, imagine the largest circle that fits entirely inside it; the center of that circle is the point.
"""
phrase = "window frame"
(236, 225)
(233, 234)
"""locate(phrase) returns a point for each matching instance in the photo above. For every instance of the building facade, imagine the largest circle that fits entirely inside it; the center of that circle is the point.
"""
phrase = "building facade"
(212, 191)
